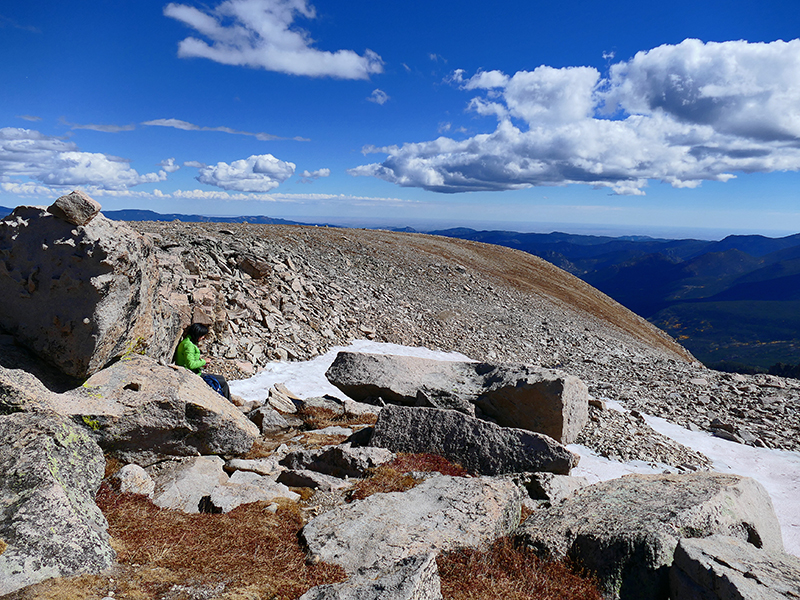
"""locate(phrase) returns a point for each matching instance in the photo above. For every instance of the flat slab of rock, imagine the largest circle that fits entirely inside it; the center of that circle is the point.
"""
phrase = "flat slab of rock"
(143, 412)
(340, 461)
(440, 514)
(182, 484)
(412, 578)
(625, 530)
(521, 396)
(313, 480)
(726, 568)
(50, 471)
(479, 446)
(81, 295)
(244, 488)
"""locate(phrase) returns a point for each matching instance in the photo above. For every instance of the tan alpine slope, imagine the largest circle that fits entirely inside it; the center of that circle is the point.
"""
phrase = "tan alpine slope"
(531, 274)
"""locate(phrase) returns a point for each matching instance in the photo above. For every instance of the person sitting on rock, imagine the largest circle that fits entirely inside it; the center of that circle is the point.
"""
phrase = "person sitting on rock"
(188, 355)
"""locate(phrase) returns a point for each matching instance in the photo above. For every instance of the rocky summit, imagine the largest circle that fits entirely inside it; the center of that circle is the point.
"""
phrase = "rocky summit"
(92, 311)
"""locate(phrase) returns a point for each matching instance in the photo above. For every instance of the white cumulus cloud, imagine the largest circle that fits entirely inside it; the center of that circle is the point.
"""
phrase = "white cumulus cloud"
(30, 156)
(168, 165)
(258, 173)
(681, 114)
(309, 176)
(262, 34)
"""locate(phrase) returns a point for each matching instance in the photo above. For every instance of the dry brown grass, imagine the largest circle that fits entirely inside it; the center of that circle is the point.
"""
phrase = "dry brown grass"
(318, 418)
(395, 476)
(253, 553)
(512, 574)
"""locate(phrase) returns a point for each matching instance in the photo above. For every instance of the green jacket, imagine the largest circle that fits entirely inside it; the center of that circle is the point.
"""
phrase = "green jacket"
(188, 355)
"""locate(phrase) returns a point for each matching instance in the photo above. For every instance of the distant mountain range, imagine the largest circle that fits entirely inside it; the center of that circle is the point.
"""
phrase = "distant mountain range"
(149, 215)
(732, 303)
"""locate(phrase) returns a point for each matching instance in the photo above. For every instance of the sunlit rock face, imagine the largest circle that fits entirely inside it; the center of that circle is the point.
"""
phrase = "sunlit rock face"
(80, 296)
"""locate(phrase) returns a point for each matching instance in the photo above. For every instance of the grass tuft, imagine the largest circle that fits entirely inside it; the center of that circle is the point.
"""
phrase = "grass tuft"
(316, 417)
(396, 476)
(505, 571)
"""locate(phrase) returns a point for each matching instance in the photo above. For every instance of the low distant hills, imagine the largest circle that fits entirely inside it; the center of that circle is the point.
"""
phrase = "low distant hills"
(732, 303)
(149, 215)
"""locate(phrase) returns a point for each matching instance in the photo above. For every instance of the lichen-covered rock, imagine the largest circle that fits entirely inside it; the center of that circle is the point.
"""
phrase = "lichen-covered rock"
(479, 446)
(50, 470)
(625, 530)
(147, 412)
(440, 514)
(80, 296)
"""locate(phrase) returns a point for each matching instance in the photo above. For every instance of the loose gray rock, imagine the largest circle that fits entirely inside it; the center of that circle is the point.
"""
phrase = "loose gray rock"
(725, 568)
(133, 479)
(479, 446)
(313, 480)
(50, 471)
(82, 296)
(268, 420)
(440, 514)
(625, 530)
(339, 461)
(335, 406)
(182, 484)
(144, 412)
(260, 466)
(282, 399)
(412, 578)
(76, 208)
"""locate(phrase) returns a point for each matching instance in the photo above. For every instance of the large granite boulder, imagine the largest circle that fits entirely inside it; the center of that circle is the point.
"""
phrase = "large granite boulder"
(725, 568)
(412, 578)
(50, 471)
(80, 296)
(625, 530)
(440, 514)
(478, 446)
(522, 396)
(143, 412)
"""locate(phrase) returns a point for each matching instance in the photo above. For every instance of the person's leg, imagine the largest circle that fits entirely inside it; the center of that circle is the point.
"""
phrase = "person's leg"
(223, 385)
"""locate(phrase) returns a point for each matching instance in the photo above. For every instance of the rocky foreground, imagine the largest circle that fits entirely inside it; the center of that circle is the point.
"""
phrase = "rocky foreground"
(92, 311)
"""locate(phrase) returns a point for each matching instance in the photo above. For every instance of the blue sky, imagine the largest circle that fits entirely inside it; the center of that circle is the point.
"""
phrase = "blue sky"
(625, 117)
